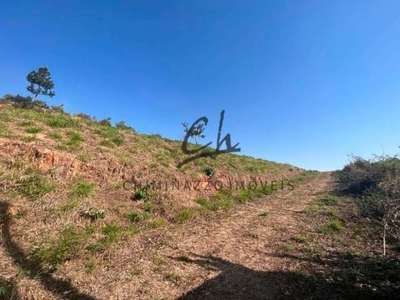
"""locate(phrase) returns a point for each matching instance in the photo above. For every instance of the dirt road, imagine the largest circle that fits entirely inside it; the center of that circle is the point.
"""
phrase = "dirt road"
(235, 256)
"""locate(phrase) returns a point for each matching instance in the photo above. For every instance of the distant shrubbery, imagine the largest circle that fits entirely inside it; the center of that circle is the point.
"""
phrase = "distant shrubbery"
(376, 186)
(361, 175)
(24, 102)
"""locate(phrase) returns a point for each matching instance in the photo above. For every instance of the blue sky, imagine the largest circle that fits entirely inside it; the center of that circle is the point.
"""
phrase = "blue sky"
(301, 82)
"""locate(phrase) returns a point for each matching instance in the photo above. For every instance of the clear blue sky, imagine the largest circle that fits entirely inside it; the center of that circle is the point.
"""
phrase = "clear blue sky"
(301, 82)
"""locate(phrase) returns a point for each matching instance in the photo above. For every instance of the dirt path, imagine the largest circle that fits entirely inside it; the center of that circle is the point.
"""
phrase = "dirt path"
(236, 256)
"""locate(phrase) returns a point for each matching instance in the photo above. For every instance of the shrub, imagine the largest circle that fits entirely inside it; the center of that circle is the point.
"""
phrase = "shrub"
(85, 117)
(209, 171)
(377, 187)
(57, 108)
(105, 122)
(122, 125)
(361, 175)
(20, 101)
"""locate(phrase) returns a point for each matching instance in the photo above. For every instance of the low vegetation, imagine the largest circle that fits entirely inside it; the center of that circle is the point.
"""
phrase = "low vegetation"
(375, 186)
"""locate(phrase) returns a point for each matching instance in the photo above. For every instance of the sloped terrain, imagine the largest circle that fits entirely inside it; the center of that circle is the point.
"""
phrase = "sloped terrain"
(90, 211)
(74, 188)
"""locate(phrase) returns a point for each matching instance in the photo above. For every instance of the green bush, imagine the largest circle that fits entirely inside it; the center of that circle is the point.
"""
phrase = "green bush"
(362, 175)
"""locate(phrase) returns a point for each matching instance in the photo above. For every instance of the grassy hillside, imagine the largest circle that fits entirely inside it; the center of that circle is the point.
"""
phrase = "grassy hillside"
(72, 188)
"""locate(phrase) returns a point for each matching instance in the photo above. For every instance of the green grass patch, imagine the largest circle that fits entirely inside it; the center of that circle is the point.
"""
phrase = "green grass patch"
(5, 132)
(183, 215)
(73, 143)
(300, 239)
(172, 276)
(35, 186)
(329, 200)
(62, 120)
(331, 227)
(33, 129)
(149, 206)
(71, 204)
(28, 138)
(67, 247)
(204, 203)
(118, 140)
(135, 216)
(107, 143)
(158, 222)
(112, 233)
(55, 136)
(82, 190)
(25, 123)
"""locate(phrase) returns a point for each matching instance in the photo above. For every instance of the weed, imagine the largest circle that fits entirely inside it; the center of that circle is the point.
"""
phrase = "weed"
(333, 226)
(118, 140)
(300, 239)
(25, 123)
(209, 171)
(28, 138)
(329, 200)
(135, 216)
(91, 264)
(136, 272)
(132, 230)
(243, 196)
(203, 202)
(287, 247)
(55, 136)
(158, 222)
(183, 215)
(149, 206)
(330, 213)
(35, 187)
(112, 232)
(107, 143)
(142, 192)
(94, 214)
(61, 120)
(82, 190)
(5, 132)
(68, 206)
(172, 276)
(66, 248)
(33, 129)
(220, 201)
(73, 143)
(84, 156)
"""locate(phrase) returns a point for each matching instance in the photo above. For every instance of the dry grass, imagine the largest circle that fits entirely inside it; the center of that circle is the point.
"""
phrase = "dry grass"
(71, 231)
